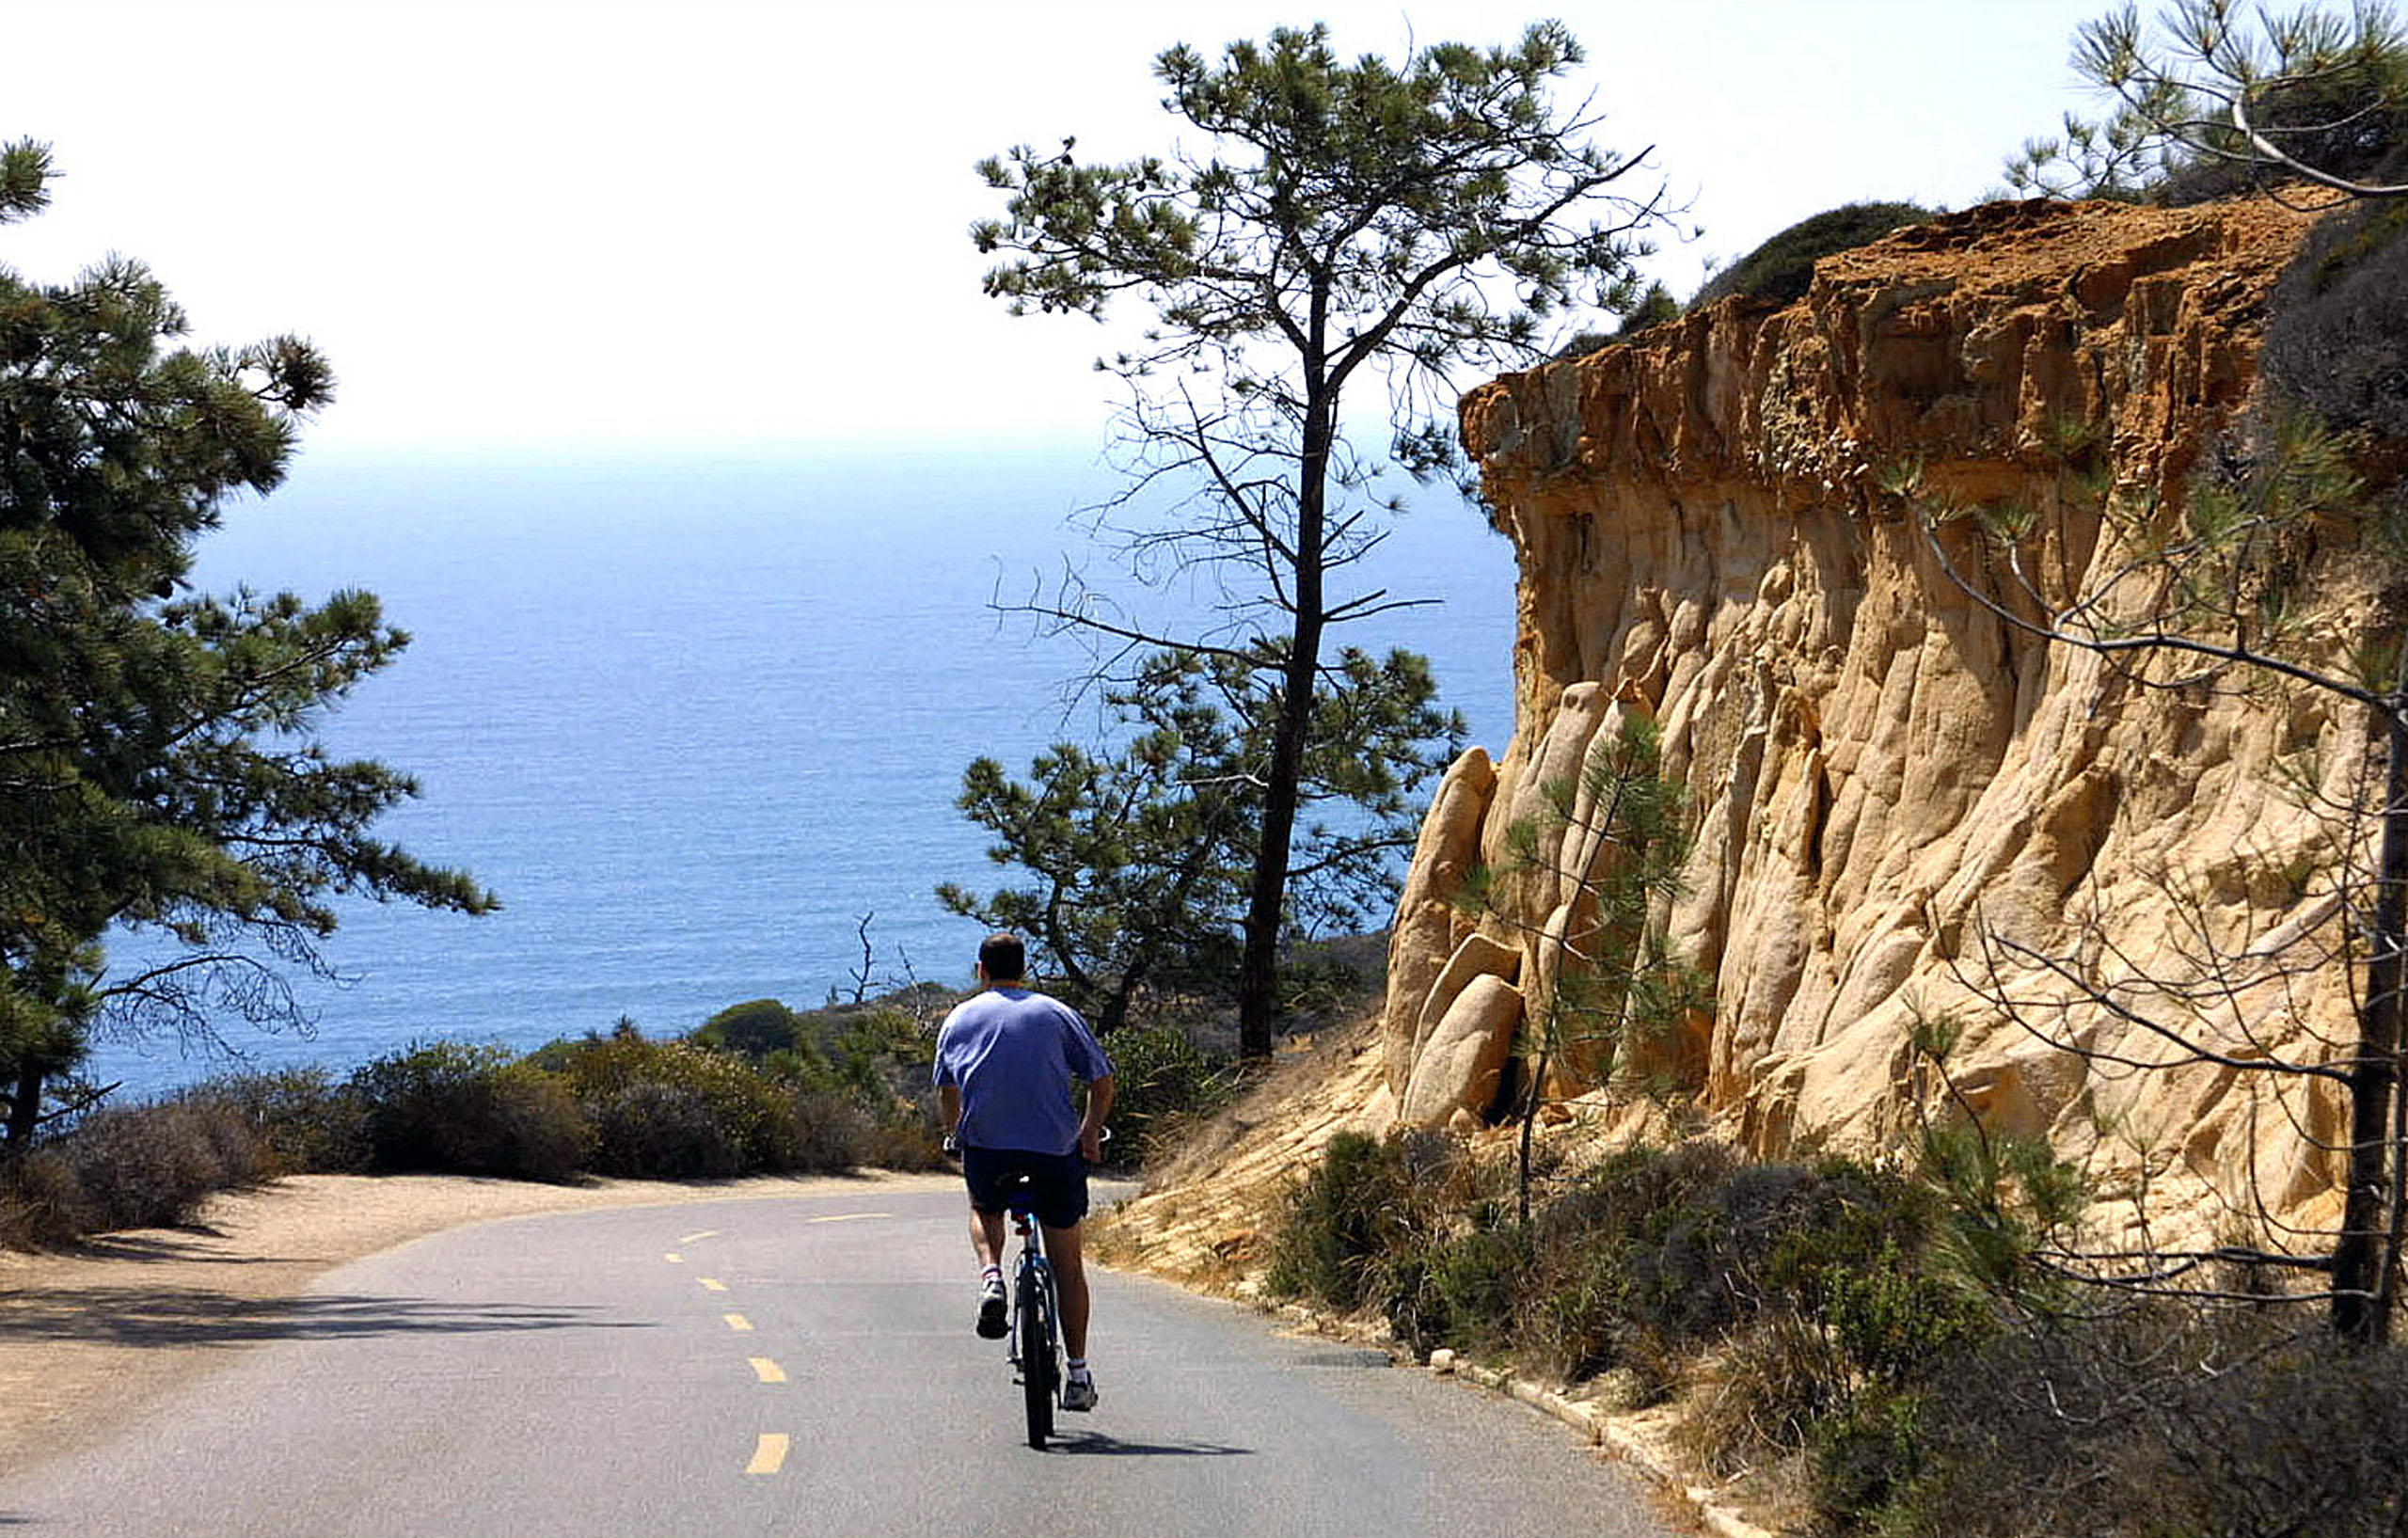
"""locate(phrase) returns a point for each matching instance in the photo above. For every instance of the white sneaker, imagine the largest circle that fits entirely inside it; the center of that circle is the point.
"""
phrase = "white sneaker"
(1078, 1394)
(992, 1325)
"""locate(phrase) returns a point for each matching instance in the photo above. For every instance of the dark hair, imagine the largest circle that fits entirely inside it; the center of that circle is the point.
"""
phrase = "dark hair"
(1004, 957)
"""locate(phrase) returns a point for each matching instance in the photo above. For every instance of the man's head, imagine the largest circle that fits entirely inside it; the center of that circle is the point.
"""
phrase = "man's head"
(1001, 958)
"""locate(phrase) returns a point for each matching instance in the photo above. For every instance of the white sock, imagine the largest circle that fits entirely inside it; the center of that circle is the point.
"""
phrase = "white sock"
(1078, 1366)
(993, 1272)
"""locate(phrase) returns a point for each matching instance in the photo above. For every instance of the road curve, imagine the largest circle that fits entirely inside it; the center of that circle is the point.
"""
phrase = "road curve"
(796, 1365)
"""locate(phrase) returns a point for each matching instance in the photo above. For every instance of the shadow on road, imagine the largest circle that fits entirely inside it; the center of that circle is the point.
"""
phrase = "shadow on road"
(186, 1316)
(1095, 1444)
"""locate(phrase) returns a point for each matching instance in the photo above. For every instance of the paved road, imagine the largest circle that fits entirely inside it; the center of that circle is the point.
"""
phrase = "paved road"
(795, 1366)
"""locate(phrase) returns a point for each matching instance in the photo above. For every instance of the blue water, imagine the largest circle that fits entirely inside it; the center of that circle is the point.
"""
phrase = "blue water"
(691, 722)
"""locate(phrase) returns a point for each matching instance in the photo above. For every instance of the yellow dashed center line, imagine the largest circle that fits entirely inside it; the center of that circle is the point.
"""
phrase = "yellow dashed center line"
(706, 1233)
(768, 1453)
(712, 1284)
(736, 1321)
(849, 1217)
(673, 1257)
(768, 1371)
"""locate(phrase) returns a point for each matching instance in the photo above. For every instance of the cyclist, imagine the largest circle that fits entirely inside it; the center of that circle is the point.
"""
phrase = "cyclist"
(1007, 1060)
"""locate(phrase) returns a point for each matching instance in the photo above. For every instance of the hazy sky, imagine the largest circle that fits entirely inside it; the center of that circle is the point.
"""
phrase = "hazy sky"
(594, 228)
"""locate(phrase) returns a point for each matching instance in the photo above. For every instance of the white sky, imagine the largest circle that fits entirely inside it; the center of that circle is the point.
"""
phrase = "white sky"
(543, 229)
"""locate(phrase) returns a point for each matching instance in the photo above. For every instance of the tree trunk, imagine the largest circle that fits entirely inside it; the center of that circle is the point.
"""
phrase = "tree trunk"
(25, 1109)
(2364, 1257)
(1267, 898)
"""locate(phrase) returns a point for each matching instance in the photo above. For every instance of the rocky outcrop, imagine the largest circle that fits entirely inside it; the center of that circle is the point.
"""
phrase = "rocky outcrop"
(1885, 779)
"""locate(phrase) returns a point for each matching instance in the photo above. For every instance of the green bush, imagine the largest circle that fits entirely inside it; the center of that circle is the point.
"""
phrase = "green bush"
(1365, 1207)
(446, 1107)
(310, 1121)
(755, 1029)
(721, 1115)
(1163, 1083)
(1868, 1457)
(1470, 1290)
(1782, 268)
(1647, 1263)
(1657, 307)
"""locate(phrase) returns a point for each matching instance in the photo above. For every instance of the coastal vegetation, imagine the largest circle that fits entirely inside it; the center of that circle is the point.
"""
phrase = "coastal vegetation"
(1779, 270)
(835, 1090)
(1860, 1349)
(759, 1088)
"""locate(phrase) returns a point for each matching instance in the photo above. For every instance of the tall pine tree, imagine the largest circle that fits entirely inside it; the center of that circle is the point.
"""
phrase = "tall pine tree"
(1328, 223)
(158, 763)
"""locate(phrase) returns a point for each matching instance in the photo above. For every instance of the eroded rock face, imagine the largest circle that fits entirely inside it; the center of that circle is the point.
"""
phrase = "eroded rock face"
(1461, 1064)
(1887, 779)
(1424, 932)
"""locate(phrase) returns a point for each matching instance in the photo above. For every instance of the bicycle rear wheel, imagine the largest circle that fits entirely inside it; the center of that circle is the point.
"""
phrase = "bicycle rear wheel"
(1037, 1364)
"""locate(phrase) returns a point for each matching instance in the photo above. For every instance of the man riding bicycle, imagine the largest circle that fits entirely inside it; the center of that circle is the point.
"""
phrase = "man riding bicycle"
(1006, 1061)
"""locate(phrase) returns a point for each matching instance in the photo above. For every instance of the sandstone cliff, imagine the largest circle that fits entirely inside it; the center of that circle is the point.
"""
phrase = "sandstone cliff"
(1881, 771)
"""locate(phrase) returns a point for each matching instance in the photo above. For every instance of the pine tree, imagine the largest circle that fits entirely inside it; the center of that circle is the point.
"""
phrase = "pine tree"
(1331, 222)
(158, 764)
(1140, 852)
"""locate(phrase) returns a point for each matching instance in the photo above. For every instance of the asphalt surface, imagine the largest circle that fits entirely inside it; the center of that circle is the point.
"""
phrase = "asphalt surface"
(797, 1366)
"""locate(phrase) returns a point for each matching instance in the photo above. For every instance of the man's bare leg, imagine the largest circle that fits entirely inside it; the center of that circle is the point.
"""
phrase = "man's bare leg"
(987, 1237)
(1062, 1247)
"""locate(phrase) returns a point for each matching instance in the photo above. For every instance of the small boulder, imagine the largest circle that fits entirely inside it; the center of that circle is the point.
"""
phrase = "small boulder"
(1460, 1069)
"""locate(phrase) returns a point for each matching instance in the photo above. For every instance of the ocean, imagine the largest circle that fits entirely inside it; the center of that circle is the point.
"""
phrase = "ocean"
(691, 722)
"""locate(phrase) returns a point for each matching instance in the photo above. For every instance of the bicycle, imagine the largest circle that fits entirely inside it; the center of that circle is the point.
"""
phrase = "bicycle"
(1033, 1337)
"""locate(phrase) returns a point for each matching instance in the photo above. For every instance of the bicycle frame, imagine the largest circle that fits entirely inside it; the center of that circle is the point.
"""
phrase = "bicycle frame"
(1034, 1345)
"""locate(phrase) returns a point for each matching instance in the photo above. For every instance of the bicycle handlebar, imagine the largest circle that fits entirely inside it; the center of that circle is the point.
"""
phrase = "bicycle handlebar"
(953, 1144)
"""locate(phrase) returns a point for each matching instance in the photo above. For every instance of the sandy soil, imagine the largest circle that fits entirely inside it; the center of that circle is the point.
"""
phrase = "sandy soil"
(92, 1336)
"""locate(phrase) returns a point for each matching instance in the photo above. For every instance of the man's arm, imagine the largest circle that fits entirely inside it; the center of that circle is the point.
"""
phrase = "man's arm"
(1099, 1093)
(949, 1108)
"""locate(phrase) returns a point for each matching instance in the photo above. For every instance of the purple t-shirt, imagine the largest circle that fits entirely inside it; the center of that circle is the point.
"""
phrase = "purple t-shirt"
(1014, 1054)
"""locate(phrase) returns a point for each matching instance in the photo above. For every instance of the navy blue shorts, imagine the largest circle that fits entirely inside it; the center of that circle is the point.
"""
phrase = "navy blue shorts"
(1057, 1183)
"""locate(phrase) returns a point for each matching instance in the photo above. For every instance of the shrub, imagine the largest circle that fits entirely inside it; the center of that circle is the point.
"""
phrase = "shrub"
(42, 1202)
(1868, 1456)
(1583, 1322)
(141, 1167)
(449, 1107)
(752, 1029)
(2170, 1420)
(660, 1131)
(833, 1133)
(1365, 1207)
(1782, 268)
(1163, 1081)
(308, 1120)
(1466, 1292)
(2337, 330)
(1657, 307)
(878, 1054)
(1763, 1393)
(720, 1115)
